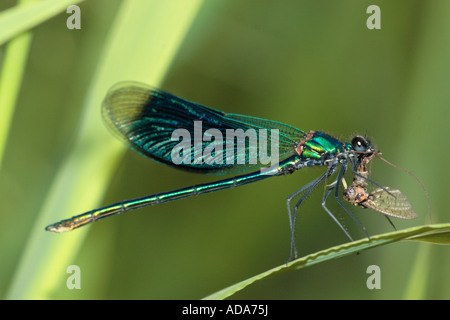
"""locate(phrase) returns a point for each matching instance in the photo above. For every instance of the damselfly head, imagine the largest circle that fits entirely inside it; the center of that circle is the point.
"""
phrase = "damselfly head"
(364, 151)
(363, 146)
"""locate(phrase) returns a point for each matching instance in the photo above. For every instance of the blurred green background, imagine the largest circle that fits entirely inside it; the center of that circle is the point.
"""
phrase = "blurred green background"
(312, 64)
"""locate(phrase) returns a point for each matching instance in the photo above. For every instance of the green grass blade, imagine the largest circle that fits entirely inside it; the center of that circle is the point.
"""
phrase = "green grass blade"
(430, 61)
(417, 284)
(130, 53)
(439, 230)
(433, 237)
(13, 67)
(19, 19)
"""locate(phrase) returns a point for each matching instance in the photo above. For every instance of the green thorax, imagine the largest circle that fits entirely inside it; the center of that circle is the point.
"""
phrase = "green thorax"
(321, 144)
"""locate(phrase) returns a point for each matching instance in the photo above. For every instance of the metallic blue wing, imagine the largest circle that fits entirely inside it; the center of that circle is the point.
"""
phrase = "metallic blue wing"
(146, 119)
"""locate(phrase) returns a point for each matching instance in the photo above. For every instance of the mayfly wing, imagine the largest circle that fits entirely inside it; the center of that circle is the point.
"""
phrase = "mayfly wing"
(394, 203)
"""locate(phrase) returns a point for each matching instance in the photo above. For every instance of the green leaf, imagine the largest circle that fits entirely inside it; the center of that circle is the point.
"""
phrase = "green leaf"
(22, 18)
(416, 287)
(129, 52)
(439, 233)
(12, 70)
(434, 237)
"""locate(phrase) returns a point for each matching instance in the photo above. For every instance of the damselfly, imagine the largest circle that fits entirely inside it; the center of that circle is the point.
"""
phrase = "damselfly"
(151, 122)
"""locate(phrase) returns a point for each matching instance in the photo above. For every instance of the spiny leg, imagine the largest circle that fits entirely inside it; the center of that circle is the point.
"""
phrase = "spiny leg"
(292, 196)
(325, 197)
(390, 221)
(292, 218)
(336, 197)
(309, 188)
(335, 185)
(354, 170)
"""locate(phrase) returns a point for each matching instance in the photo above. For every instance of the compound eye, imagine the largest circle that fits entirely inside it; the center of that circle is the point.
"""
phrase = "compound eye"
(360, 144)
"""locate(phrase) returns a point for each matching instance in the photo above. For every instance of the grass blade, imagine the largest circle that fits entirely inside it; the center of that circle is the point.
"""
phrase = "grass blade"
(22, 18)
(439, 230)
(96, 153)
(16, 54)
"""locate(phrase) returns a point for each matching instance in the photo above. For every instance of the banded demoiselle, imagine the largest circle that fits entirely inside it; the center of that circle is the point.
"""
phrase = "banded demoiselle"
(145, 118)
